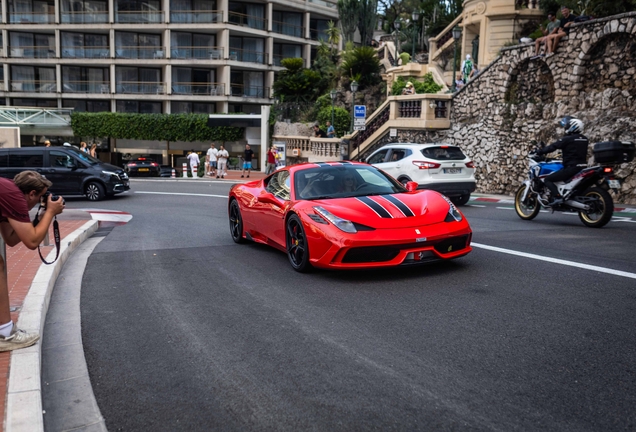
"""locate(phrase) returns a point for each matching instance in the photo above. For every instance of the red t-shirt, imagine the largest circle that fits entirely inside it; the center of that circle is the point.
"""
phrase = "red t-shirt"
(12, 202)
(271, 157)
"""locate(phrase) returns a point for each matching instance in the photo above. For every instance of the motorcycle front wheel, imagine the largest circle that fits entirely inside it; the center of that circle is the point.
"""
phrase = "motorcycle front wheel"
(528, 209)
(601, 208)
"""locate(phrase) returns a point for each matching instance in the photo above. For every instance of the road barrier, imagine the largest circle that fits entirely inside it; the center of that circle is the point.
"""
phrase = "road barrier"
(174, 173)
(185, 170)
(195, 170)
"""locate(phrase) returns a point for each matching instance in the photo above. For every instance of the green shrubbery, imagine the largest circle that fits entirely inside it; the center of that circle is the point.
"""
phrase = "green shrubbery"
(341, 118)
(426, 85)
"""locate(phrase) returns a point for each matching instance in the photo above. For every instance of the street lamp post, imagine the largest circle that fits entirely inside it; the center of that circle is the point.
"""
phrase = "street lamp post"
(354, 89)
(416, 16)
(457, 33)
(396, 24)
(333, 93)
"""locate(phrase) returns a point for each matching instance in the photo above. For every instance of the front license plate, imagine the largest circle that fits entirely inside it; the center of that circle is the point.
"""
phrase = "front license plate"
(144, 169)
(452, 170)
(614, 184)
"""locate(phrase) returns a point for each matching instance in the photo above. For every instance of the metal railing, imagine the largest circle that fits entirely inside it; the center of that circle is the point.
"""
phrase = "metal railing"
(31, 52)
(316, 34)
(288, 29)
(247, 20)
(194, 88)
(139, 17)
(200, 52)
(140, 52)
(249, 91)
(10, 116)
(248, 56)
(84, 17)
(94, 52)
(102, 87)
(195, 16)
(41, 86)
(140, 87)
(31, 18)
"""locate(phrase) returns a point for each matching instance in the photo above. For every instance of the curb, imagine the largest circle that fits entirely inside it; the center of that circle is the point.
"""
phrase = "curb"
(24, 394)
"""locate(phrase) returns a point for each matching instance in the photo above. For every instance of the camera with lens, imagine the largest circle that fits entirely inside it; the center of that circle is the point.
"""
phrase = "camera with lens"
(54, 197)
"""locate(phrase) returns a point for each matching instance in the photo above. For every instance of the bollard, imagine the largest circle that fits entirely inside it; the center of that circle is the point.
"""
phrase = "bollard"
(195, 171)
(185, 170)
(174, 173)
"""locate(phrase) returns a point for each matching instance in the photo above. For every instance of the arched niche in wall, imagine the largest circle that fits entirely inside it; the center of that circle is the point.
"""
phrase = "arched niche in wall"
(611, 63)
(530, 81)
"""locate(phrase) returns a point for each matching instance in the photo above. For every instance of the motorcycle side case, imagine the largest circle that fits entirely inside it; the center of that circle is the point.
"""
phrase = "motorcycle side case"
(550, 167)
(614, 152)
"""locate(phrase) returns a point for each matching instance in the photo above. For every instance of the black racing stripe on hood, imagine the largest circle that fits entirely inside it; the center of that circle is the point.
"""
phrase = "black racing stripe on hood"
(400, 205)
(376, 207)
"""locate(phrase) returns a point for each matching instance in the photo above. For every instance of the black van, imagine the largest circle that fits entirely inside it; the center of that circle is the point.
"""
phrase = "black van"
(72, 171)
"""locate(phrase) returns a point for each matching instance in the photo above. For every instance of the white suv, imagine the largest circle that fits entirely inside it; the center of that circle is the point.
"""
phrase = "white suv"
(440, 167)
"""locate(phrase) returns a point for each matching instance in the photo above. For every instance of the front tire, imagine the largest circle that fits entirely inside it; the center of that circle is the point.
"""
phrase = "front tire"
(297, 248)
(94, 191)
(602, 208)
(528, 209)
(236, 222)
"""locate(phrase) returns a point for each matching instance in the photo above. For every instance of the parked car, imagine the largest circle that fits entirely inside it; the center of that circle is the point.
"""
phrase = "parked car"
(72, 171)
(142, 166)
(440, 167)
(347, 215)
(166, 171)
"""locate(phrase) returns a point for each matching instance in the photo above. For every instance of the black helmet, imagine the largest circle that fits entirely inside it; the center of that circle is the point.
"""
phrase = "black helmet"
(571, 125)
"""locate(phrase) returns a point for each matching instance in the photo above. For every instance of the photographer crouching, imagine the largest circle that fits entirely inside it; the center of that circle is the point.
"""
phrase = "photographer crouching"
(17, 197)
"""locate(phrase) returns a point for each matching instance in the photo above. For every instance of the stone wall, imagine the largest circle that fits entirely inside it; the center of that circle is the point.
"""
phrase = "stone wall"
(516, 100)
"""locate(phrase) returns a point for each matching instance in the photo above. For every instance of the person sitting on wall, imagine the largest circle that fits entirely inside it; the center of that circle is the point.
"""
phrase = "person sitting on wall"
(408, 90)
(564, 29)
(552, 28)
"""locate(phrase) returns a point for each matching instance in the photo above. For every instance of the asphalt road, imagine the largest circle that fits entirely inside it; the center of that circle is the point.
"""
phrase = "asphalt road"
(185, 330)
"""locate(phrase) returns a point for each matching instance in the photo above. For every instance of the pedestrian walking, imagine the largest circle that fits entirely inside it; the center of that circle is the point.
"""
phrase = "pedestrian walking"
(222, 156)
(271, 160)
(211, 159)
(93, 151)
(17, 197)
(83, 147)
(247, 160)
(194, 160)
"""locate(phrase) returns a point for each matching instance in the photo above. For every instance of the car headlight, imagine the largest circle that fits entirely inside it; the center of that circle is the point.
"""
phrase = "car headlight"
(341, 224)
(453, 213)
(112, 174)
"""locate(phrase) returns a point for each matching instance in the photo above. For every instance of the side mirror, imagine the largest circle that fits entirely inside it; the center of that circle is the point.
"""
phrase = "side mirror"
(267, 198)
(411, 186)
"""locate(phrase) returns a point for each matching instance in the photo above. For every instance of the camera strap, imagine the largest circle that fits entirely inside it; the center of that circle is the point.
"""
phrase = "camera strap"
(56, 236)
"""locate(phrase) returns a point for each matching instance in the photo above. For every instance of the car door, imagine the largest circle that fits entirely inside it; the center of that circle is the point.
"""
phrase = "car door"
(272, 215)
(378, 159)
(394, 165)
(65, 172)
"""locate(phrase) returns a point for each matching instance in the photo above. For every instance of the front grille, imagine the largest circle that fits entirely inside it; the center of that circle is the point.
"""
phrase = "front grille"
(370, 254)
(452, 244)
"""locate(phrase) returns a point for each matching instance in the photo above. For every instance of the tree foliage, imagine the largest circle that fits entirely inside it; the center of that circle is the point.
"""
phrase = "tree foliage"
(297, 84)
(341, 119)
(362, 62)
(595, 8)
(153, 127)
(348, 11)
(367, 19)
(426, 85)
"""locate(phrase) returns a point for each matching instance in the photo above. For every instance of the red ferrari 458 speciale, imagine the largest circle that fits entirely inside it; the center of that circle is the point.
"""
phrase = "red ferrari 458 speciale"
(347, 215)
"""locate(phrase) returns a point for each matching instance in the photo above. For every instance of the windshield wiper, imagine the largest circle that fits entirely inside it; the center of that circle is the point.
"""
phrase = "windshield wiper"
(320, 197)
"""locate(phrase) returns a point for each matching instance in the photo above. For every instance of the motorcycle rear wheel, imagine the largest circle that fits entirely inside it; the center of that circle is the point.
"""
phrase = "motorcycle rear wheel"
(528, 209)
(602, 208)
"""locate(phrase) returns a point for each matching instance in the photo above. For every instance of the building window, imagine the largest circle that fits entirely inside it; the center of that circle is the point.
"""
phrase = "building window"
(247, 49)
(31, 45)
(138, 80)
(244, 109)
(138, 11)
(194, 11)
(288, 23)
(33, 79)
(248, 84)
(84, 11)
(193, 45)
(192, 108)
(77, 79)
(139, 107)
(318, 29)
(247, 14)
(194, 81)
(283, 51)
(31, 12)
(138, 46)
(42, 103)
(87, 105)
(83, 45)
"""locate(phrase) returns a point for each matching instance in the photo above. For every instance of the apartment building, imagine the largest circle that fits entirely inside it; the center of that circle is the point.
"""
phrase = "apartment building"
(153, 56)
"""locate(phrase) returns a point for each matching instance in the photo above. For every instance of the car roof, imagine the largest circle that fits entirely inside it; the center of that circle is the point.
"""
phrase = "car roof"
(414, 145)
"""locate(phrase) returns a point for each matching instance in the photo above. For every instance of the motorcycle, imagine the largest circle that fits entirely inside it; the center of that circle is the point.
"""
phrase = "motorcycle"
(586, 192)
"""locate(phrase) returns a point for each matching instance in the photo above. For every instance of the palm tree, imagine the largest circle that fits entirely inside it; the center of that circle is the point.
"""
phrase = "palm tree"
(333, 33)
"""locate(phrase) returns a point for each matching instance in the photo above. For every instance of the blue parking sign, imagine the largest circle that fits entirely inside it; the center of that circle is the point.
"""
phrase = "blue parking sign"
(360, 111)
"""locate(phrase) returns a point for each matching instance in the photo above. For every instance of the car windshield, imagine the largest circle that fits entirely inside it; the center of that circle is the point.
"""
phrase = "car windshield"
(84, 157)
(343, 181)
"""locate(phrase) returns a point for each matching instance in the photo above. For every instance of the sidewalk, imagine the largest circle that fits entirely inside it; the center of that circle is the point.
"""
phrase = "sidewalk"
(22, 267)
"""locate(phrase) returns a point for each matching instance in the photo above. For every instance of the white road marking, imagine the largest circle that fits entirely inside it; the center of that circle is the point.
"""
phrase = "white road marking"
(180, 193)
(557, 261)
(475, 205)
(505, 208)
(622, 219)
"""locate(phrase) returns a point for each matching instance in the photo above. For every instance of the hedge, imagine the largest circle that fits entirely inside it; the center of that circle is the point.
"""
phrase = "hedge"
(153, 127)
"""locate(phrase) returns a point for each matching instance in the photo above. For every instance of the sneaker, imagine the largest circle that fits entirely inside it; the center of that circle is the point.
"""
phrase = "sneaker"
(18, 339)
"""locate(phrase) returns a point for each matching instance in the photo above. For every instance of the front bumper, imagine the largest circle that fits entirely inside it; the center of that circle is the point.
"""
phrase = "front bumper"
(451, 189)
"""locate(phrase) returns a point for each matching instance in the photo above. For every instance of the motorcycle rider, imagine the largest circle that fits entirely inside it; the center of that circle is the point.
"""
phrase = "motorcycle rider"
(573, 147)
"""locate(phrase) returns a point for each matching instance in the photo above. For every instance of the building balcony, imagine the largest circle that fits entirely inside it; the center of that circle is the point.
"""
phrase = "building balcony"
(318, 35)
(33, 86)
(203, 53)
(195, 16)
(140, 87)
(139, 17)
(248, 56)
(203, 89)
(288, 29)
(251, 21)
(93, 52)
(31, 52)
(102, 87)
(249, 91)
(140, 52)
(31, 18)
(84, 17)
